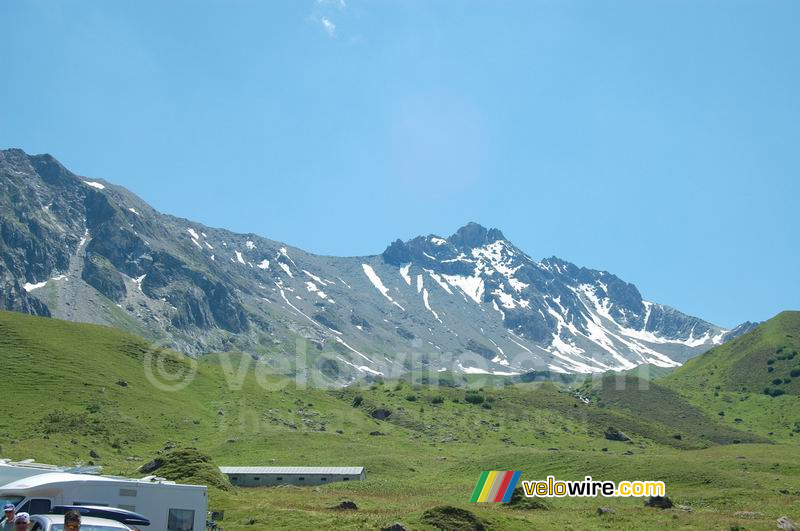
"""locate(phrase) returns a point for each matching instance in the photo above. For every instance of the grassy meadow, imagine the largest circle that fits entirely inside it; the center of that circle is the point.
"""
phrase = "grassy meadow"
(74, 391)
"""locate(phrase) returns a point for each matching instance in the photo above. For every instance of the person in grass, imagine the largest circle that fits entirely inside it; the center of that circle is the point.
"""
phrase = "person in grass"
(8, 524)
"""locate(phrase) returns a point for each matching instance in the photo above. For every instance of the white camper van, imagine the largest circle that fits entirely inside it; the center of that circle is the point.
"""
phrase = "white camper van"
(168, 505)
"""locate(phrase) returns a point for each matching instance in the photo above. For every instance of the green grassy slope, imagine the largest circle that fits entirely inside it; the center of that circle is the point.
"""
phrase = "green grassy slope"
(77, 388)
(730, 382)
(672, 417)
(766, 358)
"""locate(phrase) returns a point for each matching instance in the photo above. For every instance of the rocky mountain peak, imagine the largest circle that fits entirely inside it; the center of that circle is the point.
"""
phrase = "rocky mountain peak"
(83, 249)
(474, 235)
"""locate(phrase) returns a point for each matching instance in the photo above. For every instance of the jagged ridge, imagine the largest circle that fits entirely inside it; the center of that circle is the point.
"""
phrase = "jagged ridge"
(86, 250)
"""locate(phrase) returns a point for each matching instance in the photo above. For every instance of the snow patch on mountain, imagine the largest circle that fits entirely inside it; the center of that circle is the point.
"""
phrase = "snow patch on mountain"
(378, 283)
(404, 273)
(310, 286)
(428, 304)
(440, 281)
(472, 287)
(317, 279)
(285, 269)
(30, 287)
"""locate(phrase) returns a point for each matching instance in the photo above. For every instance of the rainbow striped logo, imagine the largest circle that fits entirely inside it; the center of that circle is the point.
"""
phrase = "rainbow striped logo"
(494, 486)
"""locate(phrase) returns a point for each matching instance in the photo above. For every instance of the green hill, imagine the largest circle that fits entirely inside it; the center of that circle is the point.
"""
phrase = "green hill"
(81, 393)
(766, 359)
(664, 415)
(751, 383)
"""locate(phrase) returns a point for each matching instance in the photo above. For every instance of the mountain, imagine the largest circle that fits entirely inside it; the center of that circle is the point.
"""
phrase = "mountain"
(86, 250)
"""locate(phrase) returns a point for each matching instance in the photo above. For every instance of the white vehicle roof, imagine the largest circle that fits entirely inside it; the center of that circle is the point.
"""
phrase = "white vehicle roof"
(33, 465)
(55, 479)
(85, 520)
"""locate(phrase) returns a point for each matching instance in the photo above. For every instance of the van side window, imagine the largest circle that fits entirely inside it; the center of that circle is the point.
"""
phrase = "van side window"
(39, 506)
(180, 520)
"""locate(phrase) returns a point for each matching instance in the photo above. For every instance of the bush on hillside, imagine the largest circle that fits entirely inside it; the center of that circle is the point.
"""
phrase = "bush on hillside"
(187, 465)
(474, 397)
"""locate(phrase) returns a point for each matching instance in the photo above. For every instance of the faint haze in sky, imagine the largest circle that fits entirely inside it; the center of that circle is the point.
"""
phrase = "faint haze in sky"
(655, 139)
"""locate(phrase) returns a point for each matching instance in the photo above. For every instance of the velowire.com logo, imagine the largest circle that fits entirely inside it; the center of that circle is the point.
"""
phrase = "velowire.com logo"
(494, 486)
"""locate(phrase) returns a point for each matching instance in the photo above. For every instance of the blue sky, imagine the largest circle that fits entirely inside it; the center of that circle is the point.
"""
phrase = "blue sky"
(659, 140)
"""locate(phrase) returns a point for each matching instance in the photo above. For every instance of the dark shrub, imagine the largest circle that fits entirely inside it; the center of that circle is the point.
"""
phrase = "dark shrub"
(474, 398)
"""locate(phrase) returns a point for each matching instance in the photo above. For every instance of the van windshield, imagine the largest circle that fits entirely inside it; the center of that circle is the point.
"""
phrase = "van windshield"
(10, 499)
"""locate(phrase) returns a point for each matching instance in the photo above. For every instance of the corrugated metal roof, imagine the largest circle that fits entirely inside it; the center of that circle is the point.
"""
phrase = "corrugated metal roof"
(288, 470)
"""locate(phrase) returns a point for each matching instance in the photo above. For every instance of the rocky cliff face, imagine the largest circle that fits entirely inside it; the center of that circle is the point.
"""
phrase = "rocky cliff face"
(86, 250)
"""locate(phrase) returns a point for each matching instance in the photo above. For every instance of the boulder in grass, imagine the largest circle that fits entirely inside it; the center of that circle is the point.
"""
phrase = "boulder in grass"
(381, 414)
(660, 502)
(786, 524)
(346, 505)
(613, 434)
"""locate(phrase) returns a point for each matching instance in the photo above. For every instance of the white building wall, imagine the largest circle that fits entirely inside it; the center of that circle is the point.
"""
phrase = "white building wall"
(266, 480)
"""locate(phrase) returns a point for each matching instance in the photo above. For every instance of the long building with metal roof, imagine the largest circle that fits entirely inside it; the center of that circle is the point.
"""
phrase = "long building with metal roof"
(264, 476)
